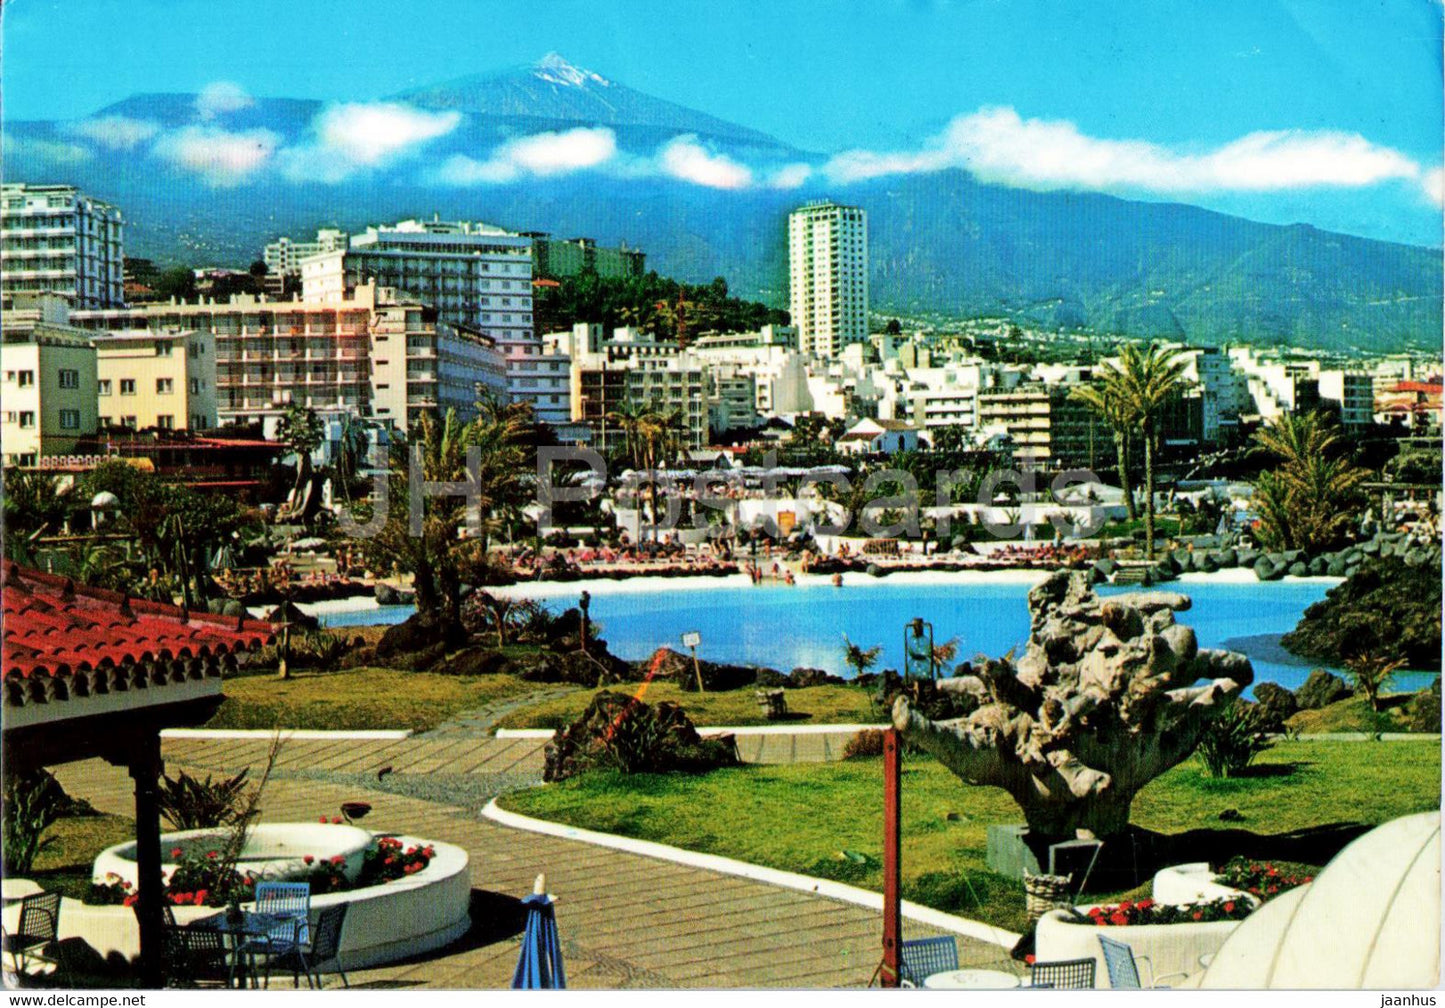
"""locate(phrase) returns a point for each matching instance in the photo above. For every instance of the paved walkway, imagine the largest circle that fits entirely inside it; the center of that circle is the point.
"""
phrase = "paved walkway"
(626, 920)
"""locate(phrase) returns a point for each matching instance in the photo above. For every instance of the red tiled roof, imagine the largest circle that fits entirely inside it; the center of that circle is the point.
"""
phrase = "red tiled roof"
(55, 627)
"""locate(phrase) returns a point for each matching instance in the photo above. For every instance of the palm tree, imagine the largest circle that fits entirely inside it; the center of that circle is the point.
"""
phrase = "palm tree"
(1371, 673)
(1307, 500)
(629, 416)
(301, 429)
(350, 452)
(1103, 402)
(1142, 381)
(860, 659)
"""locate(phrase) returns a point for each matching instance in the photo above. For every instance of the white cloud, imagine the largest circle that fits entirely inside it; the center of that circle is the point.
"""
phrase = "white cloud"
(116, 132)
(686, 159)
(221, 97)
(370, 134)
(997, 145)
(559, 153)
(1433, 183)
(790, 176)
(220, 157)
(361, 135)
(54, 151)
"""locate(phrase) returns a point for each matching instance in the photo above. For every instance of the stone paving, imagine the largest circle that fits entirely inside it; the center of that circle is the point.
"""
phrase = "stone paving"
(626, 920)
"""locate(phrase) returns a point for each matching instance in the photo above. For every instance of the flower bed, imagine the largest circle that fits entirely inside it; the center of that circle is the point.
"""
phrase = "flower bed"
(1129, 913)
(1264, 879)
(422, 910)
(197, 876)
(1170, 948)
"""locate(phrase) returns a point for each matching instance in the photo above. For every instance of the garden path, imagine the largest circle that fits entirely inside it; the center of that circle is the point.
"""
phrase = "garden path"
(626, 920)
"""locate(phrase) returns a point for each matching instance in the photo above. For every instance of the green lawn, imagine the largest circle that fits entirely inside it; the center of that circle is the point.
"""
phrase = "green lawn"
(826, 819)
(811, 705)
(359, 699)
(65, 861)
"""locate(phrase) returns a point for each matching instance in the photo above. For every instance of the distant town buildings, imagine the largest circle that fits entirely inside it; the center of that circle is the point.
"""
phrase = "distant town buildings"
(557, 258)
(372, 353)
(828, 277)
(54, 239)
(47, 381)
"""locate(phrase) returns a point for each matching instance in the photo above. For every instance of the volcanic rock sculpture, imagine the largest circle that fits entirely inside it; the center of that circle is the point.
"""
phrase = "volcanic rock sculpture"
(1102, 701)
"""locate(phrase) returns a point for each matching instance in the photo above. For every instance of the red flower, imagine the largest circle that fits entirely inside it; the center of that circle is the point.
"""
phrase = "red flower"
(1145, 904)
(337, 859)
(1198, 915)
(175, 852)
(1274, 889)
(1029, 958)
(309, 858)
(129, 900)
(201, 895)
(322, 820)
(1229, 907)
(212, 855)
(1118, 918)
(336, 820)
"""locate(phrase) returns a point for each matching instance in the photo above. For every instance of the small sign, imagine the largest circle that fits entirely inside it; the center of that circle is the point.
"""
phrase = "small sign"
(691, 639)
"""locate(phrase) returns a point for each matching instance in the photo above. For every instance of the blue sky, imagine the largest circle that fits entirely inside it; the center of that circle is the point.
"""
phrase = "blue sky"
(1323, 111)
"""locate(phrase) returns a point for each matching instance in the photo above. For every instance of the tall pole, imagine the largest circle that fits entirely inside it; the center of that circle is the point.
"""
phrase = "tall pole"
(892, 857)
(145, 768)
(697, 670)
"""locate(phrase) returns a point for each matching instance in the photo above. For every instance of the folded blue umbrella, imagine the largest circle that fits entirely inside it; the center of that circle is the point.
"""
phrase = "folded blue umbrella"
(539, 967)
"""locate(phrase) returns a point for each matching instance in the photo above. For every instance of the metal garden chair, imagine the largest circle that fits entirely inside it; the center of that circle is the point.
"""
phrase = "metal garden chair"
(1122, 964)
(197, 956)
(38, 926)
(290, 904)
(920, 958)
(1069, 974)
(321, 952)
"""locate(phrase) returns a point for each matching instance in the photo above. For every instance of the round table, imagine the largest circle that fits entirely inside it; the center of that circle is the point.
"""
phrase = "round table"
(971, 979)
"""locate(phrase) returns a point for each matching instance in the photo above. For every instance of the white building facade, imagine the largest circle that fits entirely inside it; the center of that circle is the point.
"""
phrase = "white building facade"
(828, 276)
(54, 239)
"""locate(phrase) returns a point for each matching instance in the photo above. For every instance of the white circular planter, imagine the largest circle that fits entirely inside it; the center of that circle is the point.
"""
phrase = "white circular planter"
(1171, 948)
(409, 916)
(275, 851)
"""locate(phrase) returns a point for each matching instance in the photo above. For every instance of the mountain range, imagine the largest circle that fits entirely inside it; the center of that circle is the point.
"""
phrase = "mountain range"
(209, 182)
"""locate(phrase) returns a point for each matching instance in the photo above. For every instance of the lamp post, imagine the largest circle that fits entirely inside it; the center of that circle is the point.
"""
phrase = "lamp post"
(912, 645)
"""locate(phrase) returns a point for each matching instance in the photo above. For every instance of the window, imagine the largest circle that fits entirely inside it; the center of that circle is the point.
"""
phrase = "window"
(195, 386)
(165, 421)
(127, 386)
(198, 421)
(102, 422)
(128, 421)
(27, 419)
(70, 419)
(163, 348)
(102, 387)
(69, 378)
(25, 378)
(164, 386)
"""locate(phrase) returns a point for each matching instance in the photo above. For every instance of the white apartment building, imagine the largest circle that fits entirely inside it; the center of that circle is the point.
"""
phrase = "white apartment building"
(284, 255)
(47, 381)
(760, 356)
(372, 353)
(828, 276)
(1277, 386)
(475, 275)
(164, 379)
(54, 239)
(1351, 394)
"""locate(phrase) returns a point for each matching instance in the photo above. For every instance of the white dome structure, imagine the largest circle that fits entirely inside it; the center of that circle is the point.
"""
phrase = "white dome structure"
(1370, 919)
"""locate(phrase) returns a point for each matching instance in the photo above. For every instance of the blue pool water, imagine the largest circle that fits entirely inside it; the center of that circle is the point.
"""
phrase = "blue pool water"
(786, 627)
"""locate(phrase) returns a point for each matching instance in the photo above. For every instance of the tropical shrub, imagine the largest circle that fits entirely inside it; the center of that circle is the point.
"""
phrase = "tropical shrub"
(188, 803)
(622, 733)
(31, 802)
(1233, 739)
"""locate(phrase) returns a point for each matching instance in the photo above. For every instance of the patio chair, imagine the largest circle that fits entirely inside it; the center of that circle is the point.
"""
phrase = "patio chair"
(38, 926)
(196, 957)
(290, 901)
(1122, 964)
(321, 952)
(920, 958)
(1069, 974)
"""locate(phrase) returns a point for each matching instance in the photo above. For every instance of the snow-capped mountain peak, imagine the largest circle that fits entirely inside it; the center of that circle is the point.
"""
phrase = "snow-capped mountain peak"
(555, 69)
